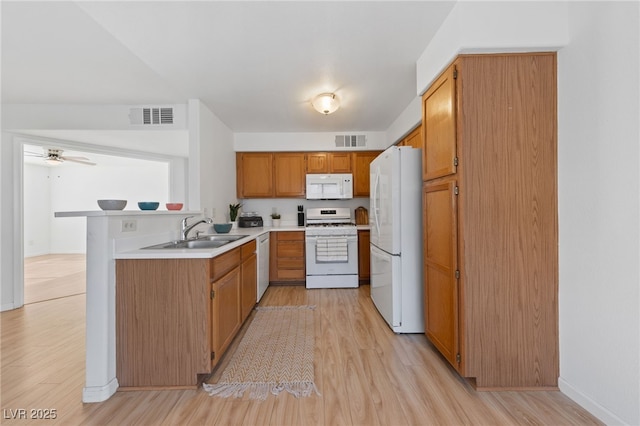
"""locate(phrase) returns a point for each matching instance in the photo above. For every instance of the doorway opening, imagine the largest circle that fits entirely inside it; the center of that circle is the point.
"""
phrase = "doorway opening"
(55, 248)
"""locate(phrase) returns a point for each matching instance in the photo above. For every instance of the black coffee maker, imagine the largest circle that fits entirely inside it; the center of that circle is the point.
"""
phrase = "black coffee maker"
(300, 215)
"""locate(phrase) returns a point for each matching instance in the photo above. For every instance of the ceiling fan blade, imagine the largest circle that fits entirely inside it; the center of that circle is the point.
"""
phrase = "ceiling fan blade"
(79, 160)
(33, 154)
(71, 158)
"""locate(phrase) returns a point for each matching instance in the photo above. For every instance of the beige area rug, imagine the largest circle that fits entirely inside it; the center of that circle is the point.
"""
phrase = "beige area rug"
(274, 355)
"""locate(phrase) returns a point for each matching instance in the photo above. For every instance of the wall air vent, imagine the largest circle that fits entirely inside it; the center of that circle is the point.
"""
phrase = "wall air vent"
(350, 141)
(151, 115)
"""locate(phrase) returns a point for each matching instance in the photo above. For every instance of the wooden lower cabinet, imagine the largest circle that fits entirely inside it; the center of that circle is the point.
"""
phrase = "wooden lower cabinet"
(286, 259)
(364, 255)
(249, 273)
(226, 316)
(176, 317)
(440, 265)
(162, 308)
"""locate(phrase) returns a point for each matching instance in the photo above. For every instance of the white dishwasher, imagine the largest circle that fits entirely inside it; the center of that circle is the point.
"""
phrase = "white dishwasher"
(263, 264)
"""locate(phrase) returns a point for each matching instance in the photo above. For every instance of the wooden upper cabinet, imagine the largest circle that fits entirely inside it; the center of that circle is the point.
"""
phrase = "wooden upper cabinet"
(340, 162)
(361, 161)
(414, 139)
(254, 174)
(317, 162)
(289, 174)
(329, 162)
(439, 121)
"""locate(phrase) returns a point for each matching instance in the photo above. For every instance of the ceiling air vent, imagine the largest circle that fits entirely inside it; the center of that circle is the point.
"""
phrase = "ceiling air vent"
(151, 115)
(350, 141)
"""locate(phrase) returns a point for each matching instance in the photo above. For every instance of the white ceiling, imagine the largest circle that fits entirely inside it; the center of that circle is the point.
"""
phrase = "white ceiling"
(256, 65)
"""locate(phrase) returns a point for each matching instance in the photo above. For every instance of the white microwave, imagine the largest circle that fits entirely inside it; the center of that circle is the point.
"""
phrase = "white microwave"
(330, 186)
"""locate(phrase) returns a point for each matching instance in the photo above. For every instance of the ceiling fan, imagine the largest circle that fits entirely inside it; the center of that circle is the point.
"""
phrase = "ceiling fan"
(54, 156)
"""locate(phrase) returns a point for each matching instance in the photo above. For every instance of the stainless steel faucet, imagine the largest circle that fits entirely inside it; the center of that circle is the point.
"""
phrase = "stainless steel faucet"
(184, 229)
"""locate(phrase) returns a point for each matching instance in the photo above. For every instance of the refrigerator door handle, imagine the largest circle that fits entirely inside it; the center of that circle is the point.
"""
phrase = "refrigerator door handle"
(376, 196)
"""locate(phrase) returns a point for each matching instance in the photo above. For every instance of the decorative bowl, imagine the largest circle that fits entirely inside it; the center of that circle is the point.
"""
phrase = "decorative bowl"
(112, 204)
(222, 228)
(148, 205)
(174, 206)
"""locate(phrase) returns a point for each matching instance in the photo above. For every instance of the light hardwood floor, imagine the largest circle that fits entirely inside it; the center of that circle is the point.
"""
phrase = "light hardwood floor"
(52, 276)
(365, 373)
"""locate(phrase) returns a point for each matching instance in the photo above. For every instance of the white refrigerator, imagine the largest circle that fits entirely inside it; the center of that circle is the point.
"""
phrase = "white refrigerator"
(396, 238)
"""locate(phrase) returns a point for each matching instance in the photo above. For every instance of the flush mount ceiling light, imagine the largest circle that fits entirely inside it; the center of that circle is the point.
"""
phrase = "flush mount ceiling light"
(326, 103)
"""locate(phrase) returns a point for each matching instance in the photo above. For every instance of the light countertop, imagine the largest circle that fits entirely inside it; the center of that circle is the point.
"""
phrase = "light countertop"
(125, 213)
(206, 253)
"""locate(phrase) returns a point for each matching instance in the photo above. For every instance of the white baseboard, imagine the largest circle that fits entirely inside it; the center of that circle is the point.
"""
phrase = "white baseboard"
(589, 404)
(99, 393)
(8, 307)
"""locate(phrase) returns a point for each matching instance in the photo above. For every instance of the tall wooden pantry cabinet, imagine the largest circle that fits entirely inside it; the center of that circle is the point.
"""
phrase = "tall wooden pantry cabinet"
(490, 219)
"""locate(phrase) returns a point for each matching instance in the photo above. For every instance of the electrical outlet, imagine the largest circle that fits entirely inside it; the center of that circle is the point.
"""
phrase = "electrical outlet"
(129, 225)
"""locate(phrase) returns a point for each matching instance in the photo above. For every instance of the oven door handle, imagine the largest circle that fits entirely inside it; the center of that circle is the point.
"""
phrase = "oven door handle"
(312, 238)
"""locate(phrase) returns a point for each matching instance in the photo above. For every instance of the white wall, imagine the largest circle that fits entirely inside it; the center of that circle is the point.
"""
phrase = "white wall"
(287, 207)
(37, 210)
(599, 134)
(598, 181)
(91, 117)
(77, 188)
(11, 230)
(74, 187)
(217, 165)
(406, 121)
(320, 141)
(502, 26)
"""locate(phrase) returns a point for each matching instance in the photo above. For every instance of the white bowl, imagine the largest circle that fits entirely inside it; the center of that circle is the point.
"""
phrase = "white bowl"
(112, 204)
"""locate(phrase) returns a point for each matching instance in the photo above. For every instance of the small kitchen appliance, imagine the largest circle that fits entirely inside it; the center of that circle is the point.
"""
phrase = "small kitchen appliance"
(300, 215)
(250, 220)
(336, 186)
(331, 243)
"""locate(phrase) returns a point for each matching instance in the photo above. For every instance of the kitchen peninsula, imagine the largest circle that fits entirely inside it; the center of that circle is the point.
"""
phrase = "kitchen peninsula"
(112, 235)
(119, 235)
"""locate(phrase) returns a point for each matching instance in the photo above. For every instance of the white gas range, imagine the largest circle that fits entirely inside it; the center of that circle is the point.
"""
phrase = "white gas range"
(331, 248)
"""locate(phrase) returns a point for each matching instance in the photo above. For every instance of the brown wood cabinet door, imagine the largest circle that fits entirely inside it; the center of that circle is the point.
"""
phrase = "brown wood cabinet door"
(439, 127)
(440, 264)
(364, 256)
(361, 161)
(317, 162)
(254, 174)
(249, 271)
(225, 312)
(290, 176)
(414, 139)
(340, 162)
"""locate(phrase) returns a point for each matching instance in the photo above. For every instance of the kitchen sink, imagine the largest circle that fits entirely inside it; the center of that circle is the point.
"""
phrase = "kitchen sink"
(209, 241)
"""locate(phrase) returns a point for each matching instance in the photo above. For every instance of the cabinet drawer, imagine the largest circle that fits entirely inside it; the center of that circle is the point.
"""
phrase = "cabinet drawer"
(248, 249)
(290, 263)
(291, 249)
(222, 264)
(291, 274)
(291, 236)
